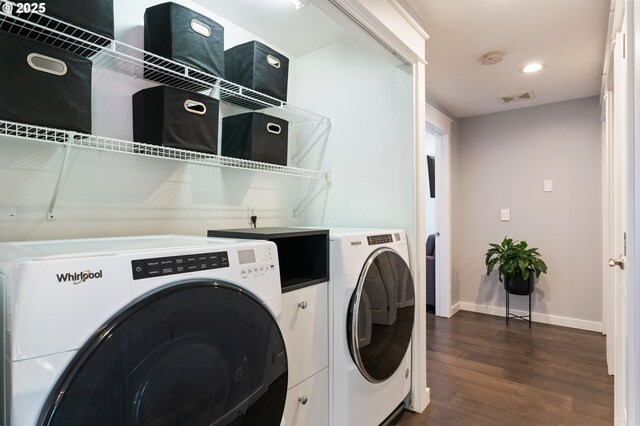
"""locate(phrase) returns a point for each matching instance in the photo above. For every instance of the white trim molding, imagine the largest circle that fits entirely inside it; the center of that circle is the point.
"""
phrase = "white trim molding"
(383, 22)
(419, 398)
(535, 316)
(403, 9)
(456, 308)
(438, 120)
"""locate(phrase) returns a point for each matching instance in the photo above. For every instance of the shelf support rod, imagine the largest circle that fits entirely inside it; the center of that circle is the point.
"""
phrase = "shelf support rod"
(320, 137)
(311, 195)
(67, 147)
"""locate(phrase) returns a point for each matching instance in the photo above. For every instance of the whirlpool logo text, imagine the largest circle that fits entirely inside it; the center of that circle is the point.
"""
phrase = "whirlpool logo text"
(78, 277)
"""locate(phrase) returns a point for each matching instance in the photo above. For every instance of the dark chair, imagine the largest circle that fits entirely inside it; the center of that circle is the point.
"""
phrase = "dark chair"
(431, 273)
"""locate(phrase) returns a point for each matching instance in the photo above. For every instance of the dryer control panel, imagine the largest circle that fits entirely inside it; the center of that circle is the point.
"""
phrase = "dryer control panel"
(171, 265)
(379, 239)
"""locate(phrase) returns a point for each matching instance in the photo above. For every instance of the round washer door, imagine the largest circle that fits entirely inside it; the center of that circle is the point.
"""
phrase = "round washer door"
(381, 314)
(195, 353)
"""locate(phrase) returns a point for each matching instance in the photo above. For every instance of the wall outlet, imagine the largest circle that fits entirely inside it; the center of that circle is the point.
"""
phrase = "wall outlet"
(251, 211)
(548, 185)
(505, 215)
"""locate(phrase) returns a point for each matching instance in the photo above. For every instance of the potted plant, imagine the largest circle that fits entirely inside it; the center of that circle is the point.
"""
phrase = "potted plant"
(517, 263)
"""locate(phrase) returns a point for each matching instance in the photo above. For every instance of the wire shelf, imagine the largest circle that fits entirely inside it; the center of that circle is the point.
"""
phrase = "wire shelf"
(70, 138)
(129, 60)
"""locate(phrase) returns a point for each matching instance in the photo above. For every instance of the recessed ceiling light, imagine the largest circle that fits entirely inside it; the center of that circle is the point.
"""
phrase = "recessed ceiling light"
(532, 67)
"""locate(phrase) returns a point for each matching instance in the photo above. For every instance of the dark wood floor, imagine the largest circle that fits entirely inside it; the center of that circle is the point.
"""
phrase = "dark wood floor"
(484, 373)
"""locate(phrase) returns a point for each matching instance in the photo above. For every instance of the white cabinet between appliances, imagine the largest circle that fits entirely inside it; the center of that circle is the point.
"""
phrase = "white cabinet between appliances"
(304, 324)
(308, 403)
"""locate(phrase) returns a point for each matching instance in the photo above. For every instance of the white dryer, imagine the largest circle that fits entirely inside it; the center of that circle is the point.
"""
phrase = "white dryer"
(372, 309)
(146, 330)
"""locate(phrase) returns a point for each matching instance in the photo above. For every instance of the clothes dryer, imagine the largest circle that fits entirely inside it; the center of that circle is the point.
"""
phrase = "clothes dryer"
(146, 330)
(372, 309)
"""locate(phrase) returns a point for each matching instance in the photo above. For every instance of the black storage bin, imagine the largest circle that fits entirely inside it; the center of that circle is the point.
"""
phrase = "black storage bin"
(176, 118)
(255, 136)
(303, 254)
(95, 16)
(44, 85)
(180, 34)
(258, 67)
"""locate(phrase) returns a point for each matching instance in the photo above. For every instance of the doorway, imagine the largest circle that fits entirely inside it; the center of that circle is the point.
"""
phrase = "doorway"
(431, 138)
(438, 211)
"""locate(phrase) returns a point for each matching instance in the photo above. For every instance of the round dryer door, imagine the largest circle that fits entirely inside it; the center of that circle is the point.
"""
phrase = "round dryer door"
(195, 353)
(381, 314)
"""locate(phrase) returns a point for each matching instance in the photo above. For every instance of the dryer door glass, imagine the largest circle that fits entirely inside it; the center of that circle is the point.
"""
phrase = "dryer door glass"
(197, 353)
(381, 314)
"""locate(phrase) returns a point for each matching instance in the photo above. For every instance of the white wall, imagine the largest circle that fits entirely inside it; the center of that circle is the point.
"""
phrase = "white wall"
(500, 161)
(370, 151)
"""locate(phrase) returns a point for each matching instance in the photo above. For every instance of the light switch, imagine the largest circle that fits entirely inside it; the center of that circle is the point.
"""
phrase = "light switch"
(505, 215)
(548, 185)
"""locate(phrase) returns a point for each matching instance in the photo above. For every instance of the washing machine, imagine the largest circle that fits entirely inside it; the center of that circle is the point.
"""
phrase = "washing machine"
(148, 330)
(372, 309)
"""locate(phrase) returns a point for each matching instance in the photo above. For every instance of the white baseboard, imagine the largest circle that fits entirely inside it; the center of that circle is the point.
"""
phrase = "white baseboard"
(455, 308)
(535, 316)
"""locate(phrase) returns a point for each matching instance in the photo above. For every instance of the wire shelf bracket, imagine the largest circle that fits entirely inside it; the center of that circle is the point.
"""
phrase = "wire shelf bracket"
(312, 193)
(63, 166)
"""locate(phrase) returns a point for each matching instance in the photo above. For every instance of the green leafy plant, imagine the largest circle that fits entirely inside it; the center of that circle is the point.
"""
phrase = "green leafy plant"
(513, 257)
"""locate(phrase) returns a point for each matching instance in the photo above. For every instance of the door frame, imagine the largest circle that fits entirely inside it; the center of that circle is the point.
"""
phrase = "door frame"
(624, 303)
(633, 297)
(440, 124)
(607, 232)
(622, 307)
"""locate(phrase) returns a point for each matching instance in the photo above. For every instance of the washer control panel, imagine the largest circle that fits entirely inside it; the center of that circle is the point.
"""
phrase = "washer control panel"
(379, 239)
(255, 262)
(171, 265)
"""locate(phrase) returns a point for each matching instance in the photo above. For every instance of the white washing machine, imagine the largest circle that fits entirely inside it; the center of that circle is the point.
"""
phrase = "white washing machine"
(372, 309)
(147, 330)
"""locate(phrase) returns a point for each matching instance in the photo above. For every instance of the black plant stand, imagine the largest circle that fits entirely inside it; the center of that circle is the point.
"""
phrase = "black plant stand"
(523, 317)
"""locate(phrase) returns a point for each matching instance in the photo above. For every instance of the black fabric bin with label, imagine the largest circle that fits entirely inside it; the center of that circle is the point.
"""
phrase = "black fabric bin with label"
(95, 16)
(44, 85)
(176, 118)
(258, 67)
(180, 34)
(255, 136)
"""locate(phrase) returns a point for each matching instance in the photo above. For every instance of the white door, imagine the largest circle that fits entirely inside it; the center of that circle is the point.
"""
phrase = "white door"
(443, 228)
(439, 128)
(619, 212)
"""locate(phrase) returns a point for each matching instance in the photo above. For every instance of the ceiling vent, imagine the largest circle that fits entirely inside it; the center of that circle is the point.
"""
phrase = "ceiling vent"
(517, 97)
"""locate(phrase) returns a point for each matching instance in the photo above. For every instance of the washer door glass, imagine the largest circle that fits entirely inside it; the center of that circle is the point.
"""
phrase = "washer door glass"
(381, 314)
(196, 353)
